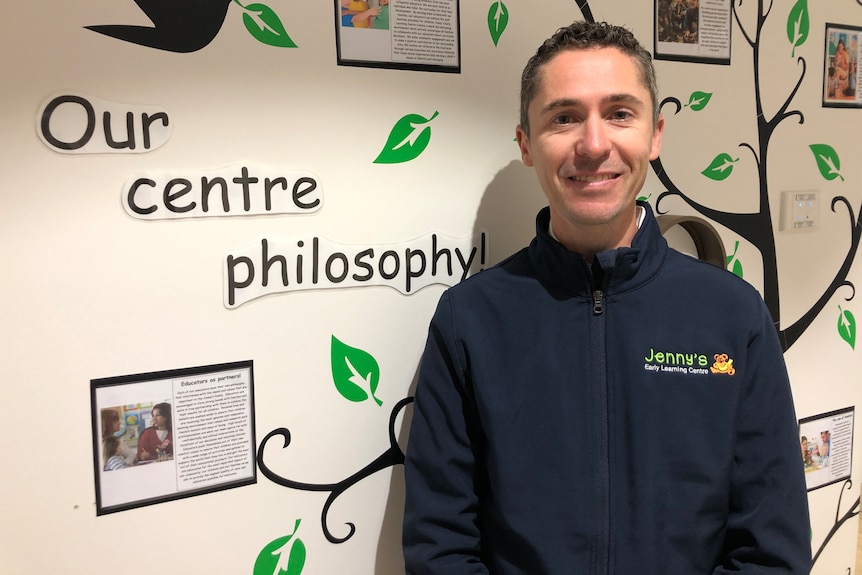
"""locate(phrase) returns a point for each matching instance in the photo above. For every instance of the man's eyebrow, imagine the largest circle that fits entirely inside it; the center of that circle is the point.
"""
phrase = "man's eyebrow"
(621, 98)
(560, 103)
(625, 99)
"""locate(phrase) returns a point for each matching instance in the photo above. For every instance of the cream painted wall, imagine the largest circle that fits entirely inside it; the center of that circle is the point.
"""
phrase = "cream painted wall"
(90, 292)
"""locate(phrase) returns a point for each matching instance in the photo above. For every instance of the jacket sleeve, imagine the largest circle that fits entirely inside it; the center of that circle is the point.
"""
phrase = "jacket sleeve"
(768, 523)
(441, 531)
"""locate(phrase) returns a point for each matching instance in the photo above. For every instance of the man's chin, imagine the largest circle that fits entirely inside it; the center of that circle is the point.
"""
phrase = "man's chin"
(595, 213)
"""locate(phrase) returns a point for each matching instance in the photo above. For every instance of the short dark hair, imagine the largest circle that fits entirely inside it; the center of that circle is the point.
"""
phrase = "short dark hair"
(583, 35)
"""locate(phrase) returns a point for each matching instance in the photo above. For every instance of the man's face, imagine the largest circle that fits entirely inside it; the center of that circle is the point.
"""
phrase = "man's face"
(591, 138)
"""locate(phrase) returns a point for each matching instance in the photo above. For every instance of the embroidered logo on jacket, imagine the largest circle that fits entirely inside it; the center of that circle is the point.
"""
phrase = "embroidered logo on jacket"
(688, 363)
(723, 364)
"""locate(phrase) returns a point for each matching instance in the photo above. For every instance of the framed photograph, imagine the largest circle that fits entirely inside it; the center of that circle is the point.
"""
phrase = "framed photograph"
(840, 67)
(172, 434)
(399, 34)
(693, 31)
(826, 446)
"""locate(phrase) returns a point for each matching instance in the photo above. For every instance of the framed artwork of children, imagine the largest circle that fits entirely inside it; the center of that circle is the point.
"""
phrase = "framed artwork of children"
(840, 67)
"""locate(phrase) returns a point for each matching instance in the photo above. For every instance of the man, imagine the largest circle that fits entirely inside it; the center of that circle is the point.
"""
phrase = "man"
(566, 418)
(826, 440)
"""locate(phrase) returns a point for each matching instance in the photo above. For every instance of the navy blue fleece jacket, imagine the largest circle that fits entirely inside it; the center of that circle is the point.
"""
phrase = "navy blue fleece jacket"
(633, 421)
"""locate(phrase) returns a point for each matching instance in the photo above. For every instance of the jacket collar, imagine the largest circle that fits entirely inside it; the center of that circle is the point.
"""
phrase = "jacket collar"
(622, 268)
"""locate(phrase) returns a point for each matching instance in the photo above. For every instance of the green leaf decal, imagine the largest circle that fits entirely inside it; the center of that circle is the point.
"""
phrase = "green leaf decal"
(847, 327)
(736, 268)
(827, 161)
(498, 19)
(698, 100)
(408, 138)
(644, 198)
(263, 23)
(354, 371)
(797, 25)
(720, 168)
(275, 559)
(296, 561)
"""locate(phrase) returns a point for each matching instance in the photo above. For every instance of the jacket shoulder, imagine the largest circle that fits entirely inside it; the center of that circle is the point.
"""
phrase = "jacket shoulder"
(709, 279)
(515, 266)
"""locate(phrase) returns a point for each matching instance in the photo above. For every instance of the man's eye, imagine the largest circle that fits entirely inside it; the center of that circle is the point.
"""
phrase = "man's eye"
(563, 119)
(621, 115)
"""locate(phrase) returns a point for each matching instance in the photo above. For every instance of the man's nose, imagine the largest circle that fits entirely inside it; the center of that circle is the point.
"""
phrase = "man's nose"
(594, 141)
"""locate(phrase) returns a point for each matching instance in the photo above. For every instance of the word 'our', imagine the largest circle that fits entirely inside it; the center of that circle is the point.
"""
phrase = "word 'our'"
(74, 124)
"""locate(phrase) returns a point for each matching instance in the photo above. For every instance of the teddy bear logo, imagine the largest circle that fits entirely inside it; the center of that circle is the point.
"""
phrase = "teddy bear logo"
(723, 364)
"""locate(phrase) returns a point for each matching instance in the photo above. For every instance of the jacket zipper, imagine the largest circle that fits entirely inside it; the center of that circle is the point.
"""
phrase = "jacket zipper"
(603, 534)
(598, 304)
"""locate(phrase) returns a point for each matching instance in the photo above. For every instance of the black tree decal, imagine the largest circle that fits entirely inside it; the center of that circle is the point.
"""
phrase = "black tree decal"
(757, 227)
(391, 457)
(853, 511)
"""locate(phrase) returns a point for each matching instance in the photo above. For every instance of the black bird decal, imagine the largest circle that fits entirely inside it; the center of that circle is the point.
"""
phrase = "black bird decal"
(178, 25)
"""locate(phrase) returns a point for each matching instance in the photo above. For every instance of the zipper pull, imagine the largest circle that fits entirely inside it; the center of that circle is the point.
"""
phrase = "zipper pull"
(598, 307)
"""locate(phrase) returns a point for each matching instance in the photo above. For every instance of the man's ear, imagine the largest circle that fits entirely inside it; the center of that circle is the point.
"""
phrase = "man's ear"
(655, 147)
(524, 145)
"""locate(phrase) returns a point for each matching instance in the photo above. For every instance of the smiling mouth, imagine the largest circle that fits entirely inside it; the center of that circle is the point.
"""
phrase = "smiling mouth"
(593, 179)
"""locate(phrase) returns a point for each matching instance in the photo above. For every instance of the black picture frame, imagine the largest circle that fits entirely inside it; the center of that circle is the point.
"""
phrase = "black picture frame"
(209, 444)
(397, 47)
(835, 430)
(680, 33)
(838, 91)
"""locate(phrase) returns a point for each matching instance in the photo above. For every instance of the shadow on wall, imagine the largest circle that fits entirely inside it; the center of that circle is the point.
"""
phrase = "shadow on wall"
(390, 559)
(508, 210)
(508, 214)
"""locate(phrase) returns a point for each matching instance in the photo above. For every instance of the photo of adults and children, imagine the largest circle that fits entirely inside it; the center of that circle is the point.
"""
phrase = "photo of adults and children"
(136, 434)
(678, 21)
(373, 14)
(815, 451)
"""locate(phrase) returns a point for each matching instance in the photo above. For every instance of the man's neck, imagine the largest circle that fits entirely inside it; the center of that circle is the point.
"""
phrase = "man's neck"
(590, 240)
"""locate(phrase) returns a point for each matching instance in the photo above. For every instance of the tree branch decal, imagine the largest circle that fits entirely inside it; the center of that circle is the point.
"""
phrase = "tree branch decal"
(584, 5)
(757, 227)
(391, 457)
(853, 511)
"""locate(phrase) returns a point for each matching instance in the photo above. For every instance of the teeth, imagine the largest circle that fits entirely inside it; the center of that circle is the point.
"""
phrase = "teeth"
(591, 179)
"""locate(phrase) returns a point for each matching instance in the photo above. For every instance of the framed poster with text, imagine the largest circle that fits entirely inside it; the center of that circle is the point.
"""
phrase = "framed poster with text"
(172, 434)
(692, 31)
(420, 35)
(826, 445)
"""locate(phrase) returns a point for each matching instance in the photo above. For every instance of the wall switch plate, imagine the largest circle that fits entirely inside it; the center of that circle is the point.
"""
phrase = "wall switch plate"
(800, 211)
